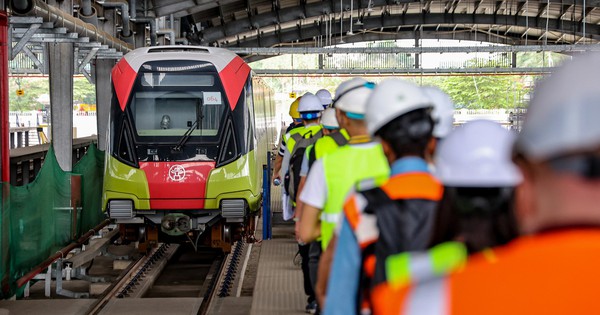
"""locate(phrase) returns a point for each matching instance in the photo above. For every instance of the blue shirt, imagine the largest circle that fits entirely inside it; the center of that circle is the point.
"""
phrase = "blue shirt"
(344, 277)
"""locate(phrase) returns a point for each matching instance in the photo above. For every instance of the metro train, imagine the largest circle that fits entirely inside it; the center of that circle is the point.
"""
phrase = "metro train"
(189, 131)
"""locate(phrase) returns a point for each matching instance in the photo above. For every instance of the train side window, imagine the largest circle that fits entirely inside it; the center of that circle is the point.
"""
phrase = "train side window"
(124, 152)
(229, 150)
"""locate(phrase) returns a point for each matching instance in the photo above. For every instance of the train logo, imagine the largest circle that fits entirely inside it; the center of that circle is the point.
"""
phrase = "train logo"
(177, 173)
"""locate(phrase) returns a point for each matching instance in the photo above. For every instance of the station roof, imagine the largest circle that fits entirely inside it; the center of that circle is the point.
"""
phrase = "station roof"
(275, 23)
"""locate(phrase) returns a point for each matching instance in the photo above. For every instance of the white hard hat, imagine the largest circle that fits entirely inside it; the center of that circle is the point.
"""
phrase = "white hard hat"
(442, 113)
(477, 155)
(324, 96)
(328, 119)
(563, 115)
(351, 97)
(310, 106)
(391, 99)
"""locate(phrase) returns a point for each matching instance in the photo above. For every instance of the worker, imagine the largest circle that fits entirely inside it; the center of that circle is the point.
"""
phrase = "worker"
(325, 97)
(443, 119)
(296, 141)
(330, 178)
(296, 122)
(553, 267)
(475, 214)
(398, 215)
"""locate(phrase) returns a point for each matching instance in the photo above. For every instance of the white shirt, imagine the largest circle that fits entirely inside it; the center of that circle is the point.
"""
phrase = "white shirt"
(314, 192)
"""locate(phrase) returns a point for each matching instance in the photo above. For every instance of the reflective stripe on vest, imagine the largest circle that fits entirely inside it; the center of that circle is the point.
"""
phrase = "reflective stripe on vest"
(415, 267)
(343, 168)
(332, 218)
(428, 299)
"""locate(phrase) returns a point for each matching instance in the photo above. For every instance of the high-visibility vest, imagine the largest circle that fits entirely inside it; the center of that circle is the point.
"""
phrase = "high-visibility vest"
(290, 142)
(326, 144)
(555, 272)
(407, 192)
(343, 168)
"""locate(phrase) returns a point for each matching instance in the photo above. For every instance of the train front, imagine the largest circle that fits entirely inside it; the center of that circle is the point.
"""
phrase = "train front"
(181, 145)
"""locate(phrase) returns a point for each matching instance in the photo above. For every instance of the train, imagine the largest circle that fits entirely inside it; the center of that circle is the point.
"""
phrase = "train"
(188, 136)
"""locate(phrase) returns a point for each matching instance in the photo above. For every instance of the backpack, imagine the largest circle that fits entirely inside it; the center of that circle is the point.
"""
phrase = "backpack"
(337, 137)
(302, 142)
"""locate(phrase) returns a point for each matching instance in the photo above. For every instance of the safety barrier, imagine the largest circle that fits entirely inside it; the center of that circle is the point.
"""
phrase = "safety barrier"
(267, 214)
(47, 214)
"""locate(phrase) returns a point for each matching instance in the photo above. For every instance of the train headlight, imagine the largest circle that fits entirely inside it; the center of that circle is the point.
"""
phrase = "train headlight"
(120, 209)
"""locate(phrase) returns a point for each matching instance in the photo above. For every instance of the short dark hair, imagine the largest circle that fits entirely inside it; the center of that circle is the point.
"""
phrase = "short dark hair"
(409, 133)
(481, 217)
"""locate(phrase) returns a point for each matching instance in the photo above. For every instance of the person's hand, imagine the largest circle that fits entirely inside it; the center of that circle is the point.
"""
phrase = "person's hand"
(297, 230)
(276, 180)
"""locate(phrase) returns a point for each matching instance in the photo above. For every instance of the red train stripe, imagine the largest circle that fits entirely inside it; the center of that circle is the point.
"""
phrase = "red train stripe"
(177, 180)
(123, 77)
(178, 204)
(234, 77)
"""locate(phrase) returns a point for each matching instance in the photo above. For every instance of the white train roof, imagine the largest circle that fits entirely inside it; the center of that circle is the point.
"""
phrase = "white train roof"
(219, 57)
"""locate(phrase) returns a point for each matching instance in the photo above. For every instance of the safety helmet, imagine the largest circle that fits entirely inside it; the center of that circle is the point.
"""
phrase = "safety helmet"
(294, 113)
(325, 97)
(477, 155)
(391, 99)
(351, 97)
(310, 106)
(442, 113)
(328, 119)
(562, 117)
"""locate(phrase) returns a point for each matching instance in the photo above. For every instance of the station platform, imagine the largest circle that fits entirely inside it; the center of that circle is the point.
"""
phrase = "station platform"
(279, 287)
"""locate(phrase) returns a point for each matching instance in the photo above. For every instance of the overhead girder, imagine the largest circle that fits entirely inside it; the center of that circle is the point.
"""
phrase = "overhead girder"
(406, 34)
(310, 30)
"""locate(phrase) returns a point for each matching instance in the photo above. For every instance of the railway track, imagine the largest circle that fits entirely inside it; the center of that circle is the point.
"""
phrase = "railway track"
(168, 275)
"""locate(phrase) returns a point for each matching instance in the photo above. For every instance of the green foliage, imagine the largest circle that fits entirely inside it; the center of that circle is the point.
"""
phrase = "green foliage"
(83, 92)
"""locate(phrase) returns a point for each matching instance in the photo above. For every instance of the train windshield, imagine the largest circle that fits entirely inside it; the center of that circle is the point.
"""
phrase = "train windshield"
(174, 104)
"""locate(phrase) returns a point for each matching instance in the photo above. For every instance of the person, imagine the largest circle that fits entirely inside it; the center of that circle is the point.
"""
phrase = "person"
(443, 119)
(398, 215)
(331, 177)
(296, 123)
(475, 214)
(310, 109)
(325, 98)
(553, 267)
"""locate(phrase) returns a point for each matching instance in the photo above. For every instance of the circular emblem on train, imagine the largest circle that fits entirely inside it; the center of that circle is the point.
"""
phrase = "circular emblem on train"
(177, 173)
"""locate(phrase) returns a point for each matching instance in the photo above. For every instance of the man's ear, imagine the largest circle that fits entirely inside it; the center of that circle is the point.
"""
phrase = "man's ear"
(525, 204)
(388, 151)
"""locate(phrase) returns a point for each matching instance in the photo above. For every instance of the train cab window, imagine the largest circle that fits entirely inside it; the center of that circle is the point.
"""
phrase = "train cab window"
(229, 152)
(171, 104)
(124, 147)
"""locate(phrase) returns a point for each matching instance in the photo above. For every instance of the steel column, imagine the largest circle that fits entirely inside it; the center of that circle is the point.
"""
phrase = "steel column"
(103, 97)
(4, 149)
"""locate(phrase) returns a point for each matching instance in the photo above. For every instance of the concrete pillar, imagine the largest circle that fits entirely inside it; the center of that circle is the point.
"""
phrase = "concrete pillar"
(61, 63)
(103, 97)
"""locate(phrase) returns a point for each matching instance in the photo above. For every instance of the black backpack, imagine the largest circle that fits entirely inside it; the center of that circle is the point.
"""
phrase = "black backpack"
(297, 155)
(339, 139)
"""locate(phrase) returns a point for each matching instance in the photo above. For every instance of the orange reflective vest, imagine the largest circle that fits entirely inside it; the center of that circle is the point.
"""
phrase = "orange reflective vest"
(551, 273)
(383, 228)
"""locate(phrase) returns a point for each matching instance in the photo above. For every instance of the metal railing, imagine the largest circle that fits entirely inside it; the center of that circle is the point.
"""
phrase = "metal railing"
(26, 162)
